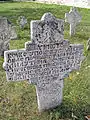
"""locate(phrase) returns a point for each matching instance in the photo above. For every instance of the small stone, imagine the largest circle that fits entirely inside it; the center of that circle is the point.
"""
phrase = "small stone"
(22, 21)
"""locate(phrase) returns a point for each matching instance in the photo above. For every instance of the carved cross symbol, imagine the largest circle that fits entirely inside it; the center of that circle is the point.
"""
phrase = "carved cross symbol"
(45, 61)
(73, 18)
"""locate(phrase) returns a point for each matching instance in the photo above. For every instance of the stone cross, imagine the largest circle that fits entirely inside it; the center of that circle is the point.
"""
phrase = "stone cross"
(73, 18)
(45, 61)
(4, 35)
(22, 21)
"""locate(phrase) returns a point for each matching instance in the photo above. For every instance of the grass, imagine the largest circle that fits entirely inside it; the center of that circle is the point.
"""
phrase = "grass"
(18, 99)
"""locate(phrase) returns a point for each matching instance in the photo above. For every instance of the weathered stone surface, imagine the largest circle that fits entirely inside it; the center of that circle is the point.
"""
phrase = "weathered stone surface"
(45, 61)
(4, 35)
(13, 33)
(22, 21)
(73, 18)
(12, 29)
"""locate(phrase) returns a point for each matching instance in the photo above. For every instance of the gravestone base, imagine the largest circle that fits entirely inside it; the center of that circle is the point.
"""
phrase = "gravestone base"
(50, 95)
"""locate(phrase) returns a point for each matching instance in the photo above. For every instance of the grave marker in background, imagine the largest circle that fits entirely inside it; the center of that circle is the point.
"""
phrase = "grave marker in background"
(4, 35)
(73, 18)
(22, 21)
(45, 61)
(13, 33)
(12, 29)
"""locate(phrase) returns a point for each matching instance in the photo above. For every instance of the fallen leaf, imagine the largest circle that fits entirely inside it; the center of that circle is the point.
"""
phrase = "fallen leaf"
(87, 117)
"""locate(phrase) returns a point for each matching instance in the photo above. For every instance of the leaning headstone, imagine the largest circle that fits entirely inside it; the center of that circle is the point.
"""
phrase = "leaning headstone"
(45, 61)
(22, 21)
(73, 18)
(4, 35)
(88, 44)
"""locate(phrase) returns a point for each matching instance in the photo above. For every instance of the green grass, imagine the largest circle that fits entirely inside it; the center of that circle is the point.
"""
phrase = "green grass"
(18, 99)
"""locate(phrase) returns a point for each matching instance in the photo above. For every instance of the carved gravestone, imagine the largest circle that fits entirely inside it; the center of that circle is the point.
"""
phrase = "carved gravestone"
(45, 61)
(73, 18)
(13, 33)
(12, 29)
(22, 21)
(4, 35)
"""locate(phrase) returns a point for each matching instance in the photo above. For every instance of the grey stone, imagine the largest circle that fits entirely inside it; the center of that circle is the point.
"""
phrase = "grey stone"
(22, 21)
(45, 61)
(12, 29)
(73, 18)
(13, 33)
(4, 35)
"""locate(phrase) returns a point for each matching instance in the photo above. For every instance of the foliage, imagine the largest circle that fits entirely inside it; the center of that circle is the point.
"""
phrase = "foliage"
(18, 99)
(6, 0)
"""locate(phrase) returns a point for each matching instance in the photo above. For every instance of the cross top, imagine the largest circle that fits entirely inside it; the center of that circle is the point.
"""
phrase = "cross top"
(45, 61)
(47, 30)
(73, 17)
(48, 17)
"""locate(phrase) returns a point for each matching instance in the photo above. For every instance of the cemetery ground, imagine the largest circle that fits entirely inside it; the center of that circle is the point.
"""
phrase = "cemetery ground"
(18, 99)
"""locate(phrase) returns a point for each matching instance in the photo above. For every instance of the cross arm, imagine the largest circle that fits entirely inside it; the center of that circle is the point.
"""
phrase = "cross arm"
(77, 52)
(14, 64)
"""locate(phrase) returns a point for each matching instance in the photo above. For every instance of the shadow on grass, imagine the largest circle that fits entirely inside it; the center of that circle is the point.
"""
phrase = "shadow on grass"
(69, 109)
(81, 36)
